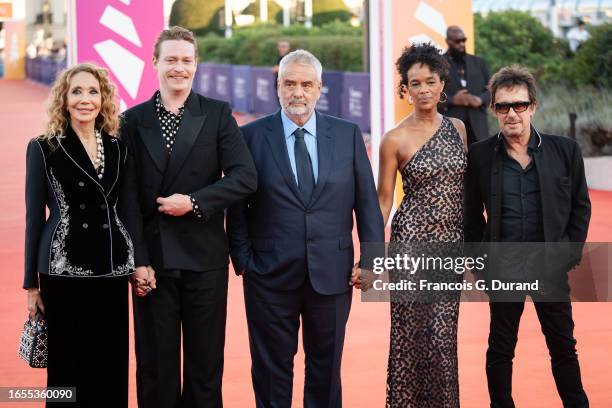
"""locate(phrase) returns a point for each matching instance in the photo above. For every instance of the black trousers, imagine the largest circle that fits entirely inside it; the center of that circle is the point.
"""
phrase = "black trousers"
(273, 318)
(558, 328)
(194, 304)
(88, 328)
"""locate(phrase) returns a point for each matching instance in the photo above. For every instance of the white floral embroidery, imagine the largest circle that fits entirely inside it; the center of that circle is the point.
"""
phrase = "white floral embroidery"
(59, 263)
(129, 266)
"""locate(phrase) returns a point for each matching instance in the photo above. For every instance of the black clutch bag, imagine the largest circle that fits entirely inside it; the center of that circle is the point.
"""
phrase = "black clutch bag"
(33, 342)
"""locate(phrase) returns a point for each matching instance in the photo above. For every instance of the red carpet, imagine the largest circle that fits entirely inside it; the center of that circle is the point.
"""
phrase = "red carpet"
(365, 352)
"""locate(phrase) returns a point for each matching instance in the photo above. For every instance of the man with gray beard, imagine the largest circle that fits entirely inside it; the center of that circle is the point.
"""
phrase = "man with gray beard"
(292, 240)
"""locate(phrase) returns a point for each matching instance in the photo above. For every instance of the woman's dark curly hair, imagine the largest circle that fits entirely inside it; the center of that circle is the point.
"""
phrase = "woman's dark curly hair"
(426, 54)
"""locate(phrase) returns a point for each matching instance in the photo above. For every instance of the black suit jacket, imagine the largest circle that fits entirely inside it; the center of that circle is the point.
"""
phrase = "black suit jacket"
(209, 160)
(83, 236)
(277, 238)
(477, 77)
(566, 207)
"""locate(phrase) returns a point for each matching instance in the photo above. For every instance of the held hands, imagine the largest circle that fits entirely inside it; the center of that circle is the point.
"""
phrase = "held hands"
(361, 278)
(143, 280)
(176, 205)
(34, 302)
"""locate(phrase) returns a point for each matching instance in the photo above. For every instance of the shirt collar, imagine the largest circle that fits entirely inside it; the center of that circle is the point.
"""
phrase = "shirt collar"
(289, 126)
(535, 140)
(161, 108)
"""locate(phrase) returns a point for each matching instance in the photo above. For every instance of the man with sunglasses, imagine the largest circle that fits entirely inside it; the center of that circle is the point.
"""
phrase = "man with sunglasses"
(534, 190)
(466, 87)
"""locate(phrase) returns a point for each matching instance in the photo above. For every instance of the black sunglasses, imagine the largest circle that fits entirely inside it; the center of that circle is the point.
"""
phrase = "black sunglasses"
(504, 107)
(459, 40)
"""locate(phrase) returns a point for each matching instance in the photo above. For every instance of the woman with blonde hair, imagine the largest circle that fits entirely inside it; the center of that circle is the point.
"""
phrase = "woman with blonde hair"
(77, 260)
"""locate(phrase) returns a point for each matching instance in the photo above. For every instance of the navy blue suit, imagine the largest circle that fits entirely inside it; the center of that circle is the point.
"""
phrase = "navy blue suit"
(297, 258)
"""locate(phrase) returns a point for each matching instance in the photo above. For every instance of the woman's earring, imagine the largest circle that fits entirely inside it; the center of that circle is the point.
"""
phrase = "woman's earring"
(443, 95)
(410, 101)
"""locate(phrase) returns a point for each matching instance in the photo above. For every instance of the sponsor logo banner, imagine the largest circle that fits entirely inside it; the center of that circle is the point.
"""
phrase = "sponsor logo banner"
(119, 34)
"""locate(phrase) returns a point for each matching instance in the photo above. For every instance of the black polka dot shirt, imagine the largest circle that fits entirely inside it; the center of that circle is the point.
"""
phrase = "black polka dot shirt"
(169, 123)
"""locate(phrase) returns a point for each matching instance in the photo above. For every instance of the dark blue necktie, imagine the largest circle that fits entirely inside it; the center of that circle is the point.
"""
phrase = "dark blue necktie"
(303, 165)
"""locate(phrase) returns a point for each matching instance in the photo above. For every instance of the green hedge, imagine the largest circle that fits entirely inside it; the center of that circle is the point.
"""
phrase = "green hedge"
(206, 16)
(331, 16)
(274, 10)
(502, 38)
(511, 37)
(514, 37)
(337, 45)
(206, 20)
(592, 63)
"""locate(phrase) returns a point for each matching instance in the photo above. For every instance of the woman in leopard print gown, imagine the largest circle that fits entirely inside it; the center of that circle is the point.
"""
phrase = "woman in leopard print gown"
(428, 149)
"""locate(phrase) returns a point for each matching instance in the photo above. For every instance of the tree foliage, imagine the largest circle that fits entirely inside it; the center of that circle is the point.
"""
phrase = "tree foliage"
(515, 37)
(326, 11)
(205, 16)
(274, 10)
(200, 16)
(593, 60)
(338, 45)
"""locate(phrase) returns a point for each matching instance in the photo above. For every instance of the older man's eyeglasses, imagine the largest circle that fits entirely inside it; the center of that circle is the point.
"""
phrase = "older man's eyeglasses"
(518, 107)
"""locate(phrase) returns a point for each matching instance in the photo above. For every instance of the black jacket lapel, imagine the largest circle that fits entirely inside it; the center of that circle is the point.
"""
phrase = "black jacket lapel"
(495, 189)
(77, 154)
(542, 164)
(278, 146)
(151, 135)
(112, 163)
(325, 149)
(189, 129)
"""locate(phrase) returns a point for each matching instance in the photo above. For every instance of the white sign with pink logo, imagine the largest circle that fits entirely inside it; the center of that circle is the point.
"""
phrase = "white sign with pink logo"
(118, 34)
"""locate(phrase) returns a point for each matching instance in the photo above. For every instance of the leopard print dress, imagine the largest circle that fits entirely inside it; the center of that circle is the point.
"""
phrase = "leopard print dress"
(422, 369)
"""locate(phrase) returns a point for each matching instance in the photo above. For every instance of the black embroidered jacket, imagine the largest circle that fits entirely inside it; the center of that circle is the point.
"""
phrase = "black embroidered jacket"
(82, 235)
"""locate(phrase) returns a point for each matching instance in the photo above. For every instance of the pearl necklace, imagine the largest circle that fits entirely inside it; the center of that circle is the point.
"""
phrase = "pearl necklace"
(99, 160)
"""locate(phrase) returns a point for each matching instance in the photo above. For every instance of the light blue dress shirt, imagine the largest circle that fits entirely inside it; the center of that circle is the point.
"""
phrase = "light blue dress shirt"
(310, 137)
